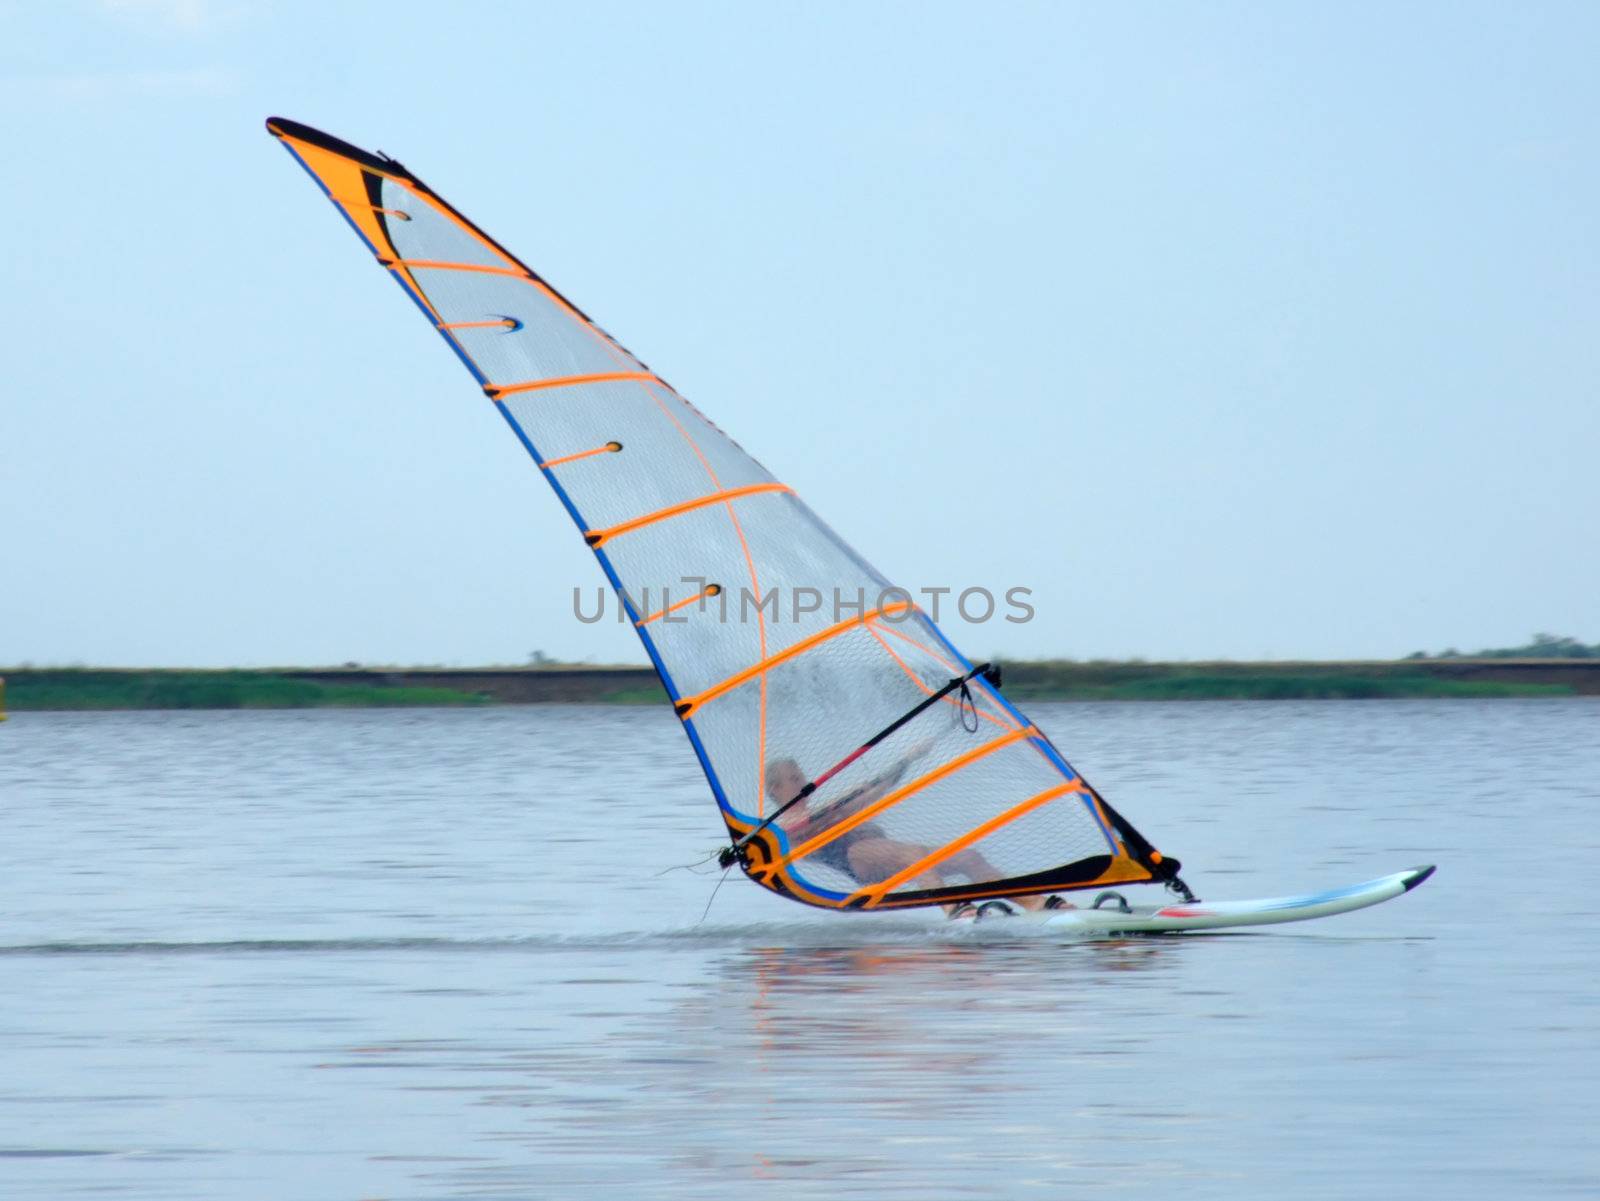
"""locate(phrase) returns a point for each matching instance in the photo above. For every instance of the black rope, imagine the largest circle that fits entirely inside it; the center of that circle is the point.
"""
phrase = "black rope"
(713, 896)
(689, 867)
(966, 706)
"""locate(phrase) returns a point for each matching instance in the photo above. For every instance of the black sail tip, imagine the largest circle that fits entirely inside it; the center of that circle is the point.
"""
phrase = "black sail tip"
(283, 127)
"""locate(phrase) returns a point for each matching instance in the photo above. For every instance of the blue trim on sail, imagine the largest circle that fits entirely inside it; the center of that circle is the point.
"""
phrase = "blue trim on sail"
(794, 869)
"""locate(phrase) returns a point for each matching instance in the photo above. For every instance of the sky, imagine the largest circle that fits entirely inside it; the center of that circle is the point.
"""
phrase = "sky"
(1229, 330)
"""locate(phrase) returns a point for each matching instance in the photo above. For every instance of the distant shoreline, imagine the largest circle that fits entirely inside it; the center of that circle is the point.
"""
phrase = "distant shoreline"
(87, 688)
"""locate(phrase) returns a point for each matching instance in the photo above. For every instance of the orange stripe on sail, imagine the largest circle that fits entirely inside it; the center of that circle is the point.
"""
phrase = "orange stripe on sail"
(600, 537)
(952, 849)
(517, 269)
(689, 704)
(367, 204)
(1004, 719)
(441, 265)
(708, 590)
(923, 647)
(500, 323)
(501, 391)
(840, 828)
(1004, 724)
(610, 448)
(612, 348)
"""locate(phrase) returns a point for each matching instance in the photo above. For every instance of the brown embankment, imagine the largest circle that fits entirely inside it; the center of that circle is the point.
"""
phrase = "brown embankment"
(1025, 680)
(521, 685)
(509, 685)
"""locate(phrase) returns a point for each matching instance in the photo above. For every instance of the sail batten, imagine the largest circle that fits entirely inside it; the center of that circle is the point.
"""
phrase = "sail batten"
(501, 391)
(766, 663)
(968, 799)
(435, 265)
(600, 537)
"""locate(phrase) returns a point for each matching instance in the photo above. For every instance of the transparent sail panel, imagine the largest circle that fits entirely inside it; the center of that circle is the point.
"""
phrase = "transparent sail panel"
(782, 649)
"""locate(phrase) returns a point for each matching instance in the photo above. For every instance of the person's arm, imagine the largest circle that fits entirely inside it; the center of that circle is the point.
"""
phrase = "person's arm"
(859, 798)
(795, 821)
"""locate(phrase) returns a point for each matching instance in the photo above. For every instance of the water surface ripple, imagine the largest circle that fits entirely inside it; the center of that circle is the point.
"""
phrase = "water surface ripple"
(435, 954)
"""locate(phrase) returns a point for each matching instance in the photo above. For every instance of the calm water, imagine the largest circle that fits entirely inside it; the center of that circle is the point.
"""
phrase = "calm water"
(429, 955)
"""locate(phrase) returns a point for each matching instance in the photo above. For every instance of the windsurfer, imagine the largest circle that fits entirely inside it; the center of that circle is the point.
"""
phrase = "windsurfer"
(865, 852)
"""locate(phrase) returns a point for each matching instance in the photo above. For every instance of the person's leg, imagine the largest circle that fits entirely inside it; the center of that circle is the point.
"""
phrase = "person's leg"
(873, 860)
(971, 864)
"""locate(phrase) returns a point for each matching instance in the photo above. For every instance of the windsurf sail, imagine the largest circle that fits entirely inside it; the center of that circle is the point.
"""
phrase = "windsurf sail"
(925, 785)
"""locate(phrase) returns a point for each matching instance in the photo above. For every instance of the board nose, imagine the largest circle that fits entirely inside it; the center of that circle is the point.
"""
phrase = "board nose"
(1417, 875)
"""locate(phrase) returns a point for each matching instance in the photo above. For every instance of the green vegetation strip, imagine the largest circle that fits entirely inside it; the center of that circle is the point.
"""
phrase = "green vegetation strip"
(74, 689)
(1270, 687)
(89, 688)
